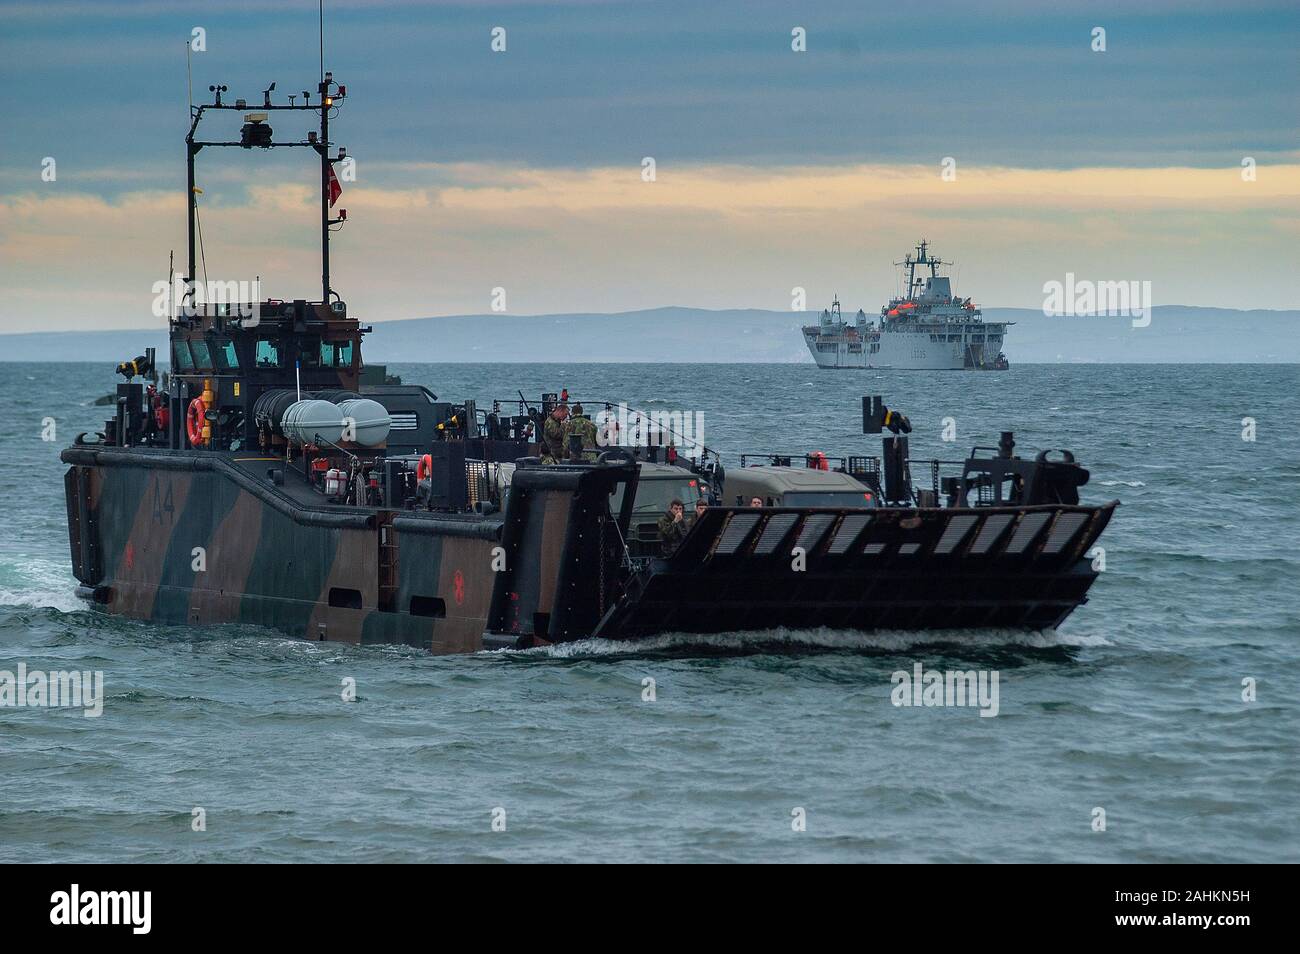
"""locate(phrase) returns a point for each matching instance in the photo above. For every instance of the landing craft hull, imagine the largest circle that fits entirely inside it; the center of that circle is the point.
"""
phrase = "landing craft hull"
(205, 538)
(924, 569)
(183, 539)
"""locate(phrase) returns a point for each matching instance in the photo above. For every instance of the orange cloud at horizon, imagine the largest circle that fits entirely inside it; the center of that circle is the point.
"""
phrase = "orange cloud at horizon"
(437, 239)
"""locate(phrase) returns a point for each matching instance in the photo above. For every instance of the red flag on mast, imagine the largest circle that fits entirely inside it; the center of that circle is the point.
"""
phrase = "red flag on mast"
(336, 190)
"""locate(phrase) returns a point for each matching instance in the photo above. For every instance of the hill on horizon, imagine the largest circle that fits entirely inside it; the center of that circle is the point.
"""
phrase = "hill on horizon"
(1177, 334)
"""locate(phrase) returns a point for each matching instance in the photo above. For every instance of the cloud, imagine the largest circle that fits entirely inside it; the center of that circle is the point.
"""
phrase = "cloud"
(744, 190)
(426, 239)
(597, 84)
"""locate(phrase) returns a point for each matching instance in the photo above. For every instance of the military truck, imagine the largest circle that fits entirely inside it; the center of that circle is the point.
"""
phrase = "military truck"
(789, 486)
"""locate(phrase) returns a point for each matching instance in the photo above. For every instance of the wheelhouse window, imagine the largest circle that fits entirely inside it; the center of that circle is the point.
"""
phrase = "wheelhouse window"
(654, 496)
(311, 353)
(181, 359)
(202, 358)
(224, 352)
(336, 354)
(268, 354)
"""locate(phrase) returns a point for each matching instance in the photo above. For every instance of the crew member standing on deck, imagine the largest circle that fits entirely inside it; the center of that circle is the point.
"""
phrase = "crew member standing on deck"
(554, 433)
(581, 428)
(672, 526)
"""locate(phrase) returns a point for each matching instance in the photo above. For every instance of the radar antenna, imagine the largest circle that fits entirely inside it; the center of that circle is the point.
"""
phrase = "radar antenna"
(923, 257)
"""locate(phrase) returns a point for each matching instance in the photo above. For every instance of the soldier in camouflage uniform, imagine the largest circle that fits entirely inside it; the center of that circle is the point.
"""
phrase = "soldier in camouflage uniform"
(672, 527)
(581, 427)
(554, 435)
(701, 505)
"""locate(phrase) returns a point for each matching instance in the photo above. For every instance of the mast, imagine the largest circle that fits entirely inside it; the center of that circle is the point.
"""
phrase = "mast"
(922, 258)
(910, 265)
(255, 133)
(323, 148)
(190, 151)
(192, 147)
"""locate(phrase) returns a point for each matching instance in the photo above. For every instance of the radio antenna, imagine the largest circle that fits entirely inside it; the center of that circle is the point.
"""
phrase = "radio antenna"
(321, 12)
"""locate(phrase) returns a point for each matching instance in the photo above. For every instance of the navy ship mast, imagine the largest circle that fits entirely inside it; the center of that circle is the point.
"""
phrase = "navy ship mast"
(915, 286)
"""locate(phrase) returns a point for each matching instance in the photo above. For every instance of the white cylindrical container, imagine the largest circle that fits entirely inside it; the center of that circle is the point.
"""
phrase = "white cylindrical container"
(333, 482)
(306, 422)
(370, 421)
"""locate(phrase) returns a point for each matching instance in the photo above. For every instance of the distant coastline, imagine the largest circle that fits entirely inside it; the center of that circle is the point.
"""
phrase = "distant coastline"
(1177, 334)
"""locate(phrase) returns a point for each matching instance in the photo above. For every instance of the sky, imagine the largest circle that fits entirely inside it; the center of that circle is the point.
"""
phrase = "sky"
(774, 169)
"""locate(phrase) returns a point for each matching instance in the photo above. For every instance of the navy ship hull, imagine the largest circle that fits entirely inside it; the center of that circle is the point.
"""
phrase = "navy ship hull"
(952, 347)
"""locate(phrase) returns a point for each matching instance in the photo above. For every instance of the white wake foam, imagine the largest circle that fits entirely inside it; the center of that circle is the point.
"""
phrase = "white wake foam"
(39, 584)
(820, 638)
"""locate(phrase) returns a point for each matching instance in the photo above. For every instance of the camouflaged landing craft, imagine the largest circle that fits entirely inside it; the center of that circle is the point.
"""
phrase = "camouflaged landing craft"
(266, 480)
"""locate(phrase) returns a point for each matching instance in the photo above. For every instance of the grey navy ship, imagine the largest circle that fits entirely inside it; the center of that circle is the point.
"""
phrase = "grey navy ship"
(925, 329)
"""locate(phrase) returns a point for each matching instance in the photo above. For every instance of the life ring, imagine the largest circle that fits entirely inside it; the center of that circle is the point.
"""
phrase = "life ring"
(195, 418)
(424, 468)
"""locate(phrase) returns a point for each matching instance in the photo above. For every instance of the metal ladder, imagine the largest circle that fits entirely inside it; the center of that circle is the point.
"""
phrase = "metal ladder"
(387, 565)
